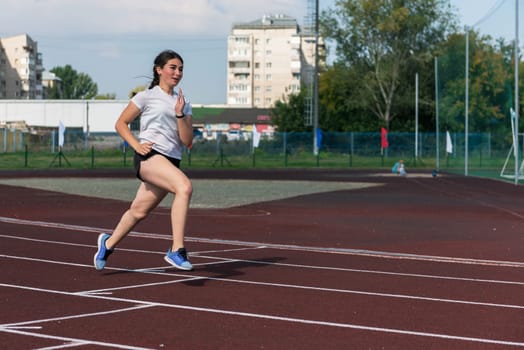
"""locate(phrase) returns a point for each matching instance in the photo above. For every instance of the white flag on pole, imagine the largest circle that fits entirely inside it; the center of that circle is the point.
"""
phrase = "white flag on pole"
(61, 131)
(256, 136)
(449, 146)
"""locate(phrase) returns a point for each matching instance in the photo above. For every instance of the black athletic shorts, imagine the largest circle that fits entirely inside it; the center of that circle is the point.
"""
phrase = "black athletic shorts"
(139, 158)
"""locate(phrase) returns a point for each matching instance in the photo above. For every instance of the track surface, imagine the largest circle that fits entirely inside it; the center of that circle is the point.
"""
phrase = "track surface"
(413, 263)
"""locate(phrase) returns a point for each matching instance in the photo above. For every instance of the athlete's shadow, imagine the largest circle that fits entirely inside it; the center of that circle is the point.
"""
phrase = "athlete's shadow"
(229, 269)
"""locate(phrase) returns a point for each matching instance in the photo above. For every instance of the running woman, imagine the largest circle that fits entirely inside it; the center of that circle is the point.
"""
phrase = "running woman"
(165, 128)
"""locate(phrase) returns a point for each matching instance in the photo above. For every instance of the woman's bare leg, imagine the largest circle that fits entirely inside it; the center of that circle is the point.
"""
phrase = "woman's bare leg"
(161, 173)
(147, 198)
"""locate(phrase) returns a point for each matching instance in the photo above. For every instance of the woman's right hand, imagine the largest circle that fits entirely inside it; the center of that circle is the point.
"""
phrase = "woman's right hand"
(144, 148)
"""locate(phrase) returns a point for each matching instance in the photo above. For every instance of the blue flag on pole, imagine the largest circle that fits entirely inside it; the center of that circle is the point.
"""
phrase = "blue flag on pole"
(319, 138)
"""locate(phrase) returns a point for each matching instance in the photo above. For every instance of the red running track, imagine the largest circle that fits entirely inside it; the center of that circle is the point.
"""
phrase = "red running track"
(417, 263)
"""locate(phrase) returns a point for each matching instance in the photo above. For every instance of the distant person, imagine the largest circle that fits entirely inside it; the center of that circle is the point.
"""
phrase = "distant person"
(165, 128)
(399, 168)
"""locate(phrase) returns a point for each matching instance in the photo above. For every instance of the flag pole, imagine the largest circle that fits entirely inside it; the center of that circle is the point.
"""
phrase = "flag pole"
(517, 163)
(315, 83)
(436, 114)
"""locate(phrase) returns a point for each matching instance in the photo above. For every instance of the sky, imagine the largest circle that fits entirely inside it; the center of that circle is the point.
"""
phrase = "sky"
(116, 41)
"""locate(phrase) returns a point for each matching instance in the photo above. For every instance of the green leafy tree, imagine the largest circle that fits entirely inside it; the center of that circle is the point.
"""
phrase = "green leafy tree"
(74, 85)
(381, 40)
(491, 85)
(289, 116)
(491, 80)
(136, 90)
(342, 102)
(105, 97)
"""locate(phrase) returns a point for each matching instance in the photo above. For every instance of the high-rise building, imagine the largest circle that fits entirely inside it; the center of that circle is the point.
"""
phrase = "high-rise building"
(268, 59)
(20, 68)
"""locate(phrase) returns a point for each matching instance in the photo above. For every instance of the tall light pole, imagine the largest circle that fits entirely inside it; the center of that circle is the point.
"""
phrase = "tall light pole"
(466, 110)
(315, 85)
(416, 116)
(516, 146)
(437, 114)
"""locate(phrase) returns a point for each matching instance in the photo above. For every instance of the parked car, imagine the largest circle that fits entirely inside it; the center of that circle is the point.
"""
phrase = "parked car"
(233, 135)
(197, 135)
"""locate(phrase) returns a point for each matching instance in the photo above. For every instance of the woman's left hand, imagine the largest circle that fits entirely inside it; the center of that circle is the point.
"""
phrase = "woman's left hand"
(180, 103)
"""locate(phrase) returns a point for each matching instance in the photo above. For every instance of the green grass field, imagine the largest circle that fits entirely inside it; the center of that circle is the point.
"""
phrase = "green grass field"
(97, 159)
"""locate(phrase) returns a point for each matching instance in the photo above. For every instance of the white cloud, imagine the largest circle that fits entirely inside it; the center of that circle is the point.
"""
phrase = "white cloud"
(115, 41)
(194, 17)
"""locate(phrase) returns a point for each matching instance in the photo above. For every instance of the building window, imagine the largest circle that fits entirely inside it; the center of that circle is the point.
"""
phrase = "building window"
(241, 76)
(294, 88)
(238, 87)
(268, 65)
(242, 40)
(269, 77)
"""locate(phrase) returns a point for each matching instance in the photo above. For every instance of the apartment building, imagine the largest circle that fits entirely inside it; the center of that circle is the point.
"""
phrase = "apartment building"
(21, 68)
(268, 59)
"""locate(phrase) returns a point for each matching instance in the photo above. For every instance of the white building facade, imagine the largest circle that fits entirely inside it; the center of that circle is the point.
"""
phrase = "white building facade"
(267, 60)
(21, 68)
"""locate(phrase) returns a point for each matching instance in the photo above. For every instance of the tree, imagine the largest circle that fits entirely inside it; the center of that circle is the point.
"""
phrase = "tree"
(289, 116)
(74, 85)
(105, 97)
(491, 79)
(136, 90)
(380, 39)
(342, 105)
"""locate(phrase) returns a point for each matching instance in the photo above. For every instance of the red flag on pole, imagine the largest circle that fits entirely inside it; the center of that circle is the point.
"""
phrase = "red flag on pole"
(384, 141)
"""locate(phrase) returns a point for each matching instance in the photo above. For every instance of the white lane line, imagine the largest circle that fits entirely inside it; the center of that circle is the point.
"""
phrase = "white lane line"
(290, 319)
(64, 346)
(280, 285)
(231, 260)
(74, 340)
(347, 269)
(227, 250)
(345, 251)
(108, 291)
(270, 263)
(18, 327)
(79, 244)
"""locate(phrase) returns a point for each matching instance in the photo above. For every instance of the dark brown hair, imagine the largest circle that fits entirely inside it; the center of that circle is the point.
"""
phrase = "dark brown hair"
(160, 61)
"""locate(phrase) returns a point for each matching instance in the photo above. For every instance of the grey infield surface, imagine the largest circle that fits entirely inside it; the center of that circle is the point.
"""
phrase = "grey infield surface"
(206, 193)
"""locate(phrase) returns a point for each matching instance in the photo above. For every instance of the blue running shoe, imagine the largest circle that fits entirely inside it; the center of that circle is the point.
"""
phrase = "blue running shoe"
(178, 259)
(101, 255)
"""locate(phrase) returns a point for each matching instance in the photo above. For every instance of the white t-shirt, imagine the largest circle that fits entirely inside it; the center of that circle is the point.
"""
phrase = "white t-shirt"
(158, 120)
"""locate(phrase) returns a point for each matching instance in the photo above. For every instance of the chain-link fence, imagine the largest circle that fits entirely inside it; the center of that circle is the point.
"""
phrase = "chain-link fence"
(477, 93)
(487, 155)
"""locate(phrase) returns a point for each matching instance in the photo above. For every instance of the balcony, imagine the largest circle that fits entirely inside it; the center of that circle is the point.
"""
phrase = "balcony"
(295, 66)
(239, 67)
